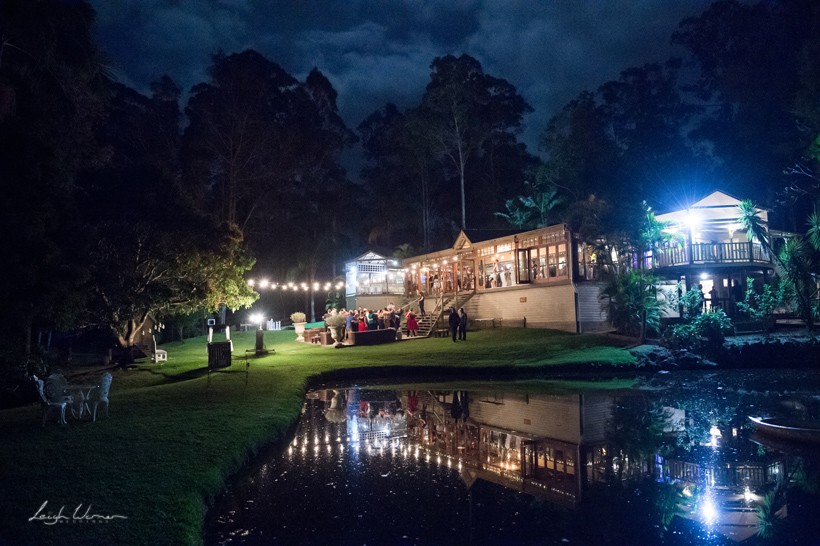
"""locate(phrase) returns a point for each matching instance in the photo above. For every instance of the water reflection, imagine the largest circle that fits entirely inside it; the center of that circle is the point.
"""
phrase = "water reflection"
(674, 462)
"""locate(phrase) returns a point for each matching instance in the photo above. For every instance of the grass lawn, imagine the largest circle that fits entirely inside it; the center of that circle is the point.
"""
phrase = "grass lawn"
(172, 440)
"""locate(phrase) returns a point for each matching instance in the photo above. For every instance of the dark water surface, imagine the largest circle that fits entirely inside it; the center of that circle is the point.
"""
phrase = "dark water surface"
(671, 460)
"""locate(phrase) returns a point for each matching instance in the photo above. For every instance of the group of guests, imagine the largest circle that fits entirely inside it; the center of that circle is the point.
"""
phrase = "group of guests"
(362, 319)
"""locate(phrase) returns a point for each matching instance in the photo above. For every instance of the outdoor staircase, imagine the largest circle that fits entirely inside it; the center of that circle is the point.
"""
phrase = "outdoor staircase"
(430, 322)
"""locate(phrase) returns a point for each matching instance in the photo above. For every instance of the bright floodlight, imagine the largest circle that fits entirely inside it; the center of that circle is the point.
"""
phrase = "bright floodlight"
(257, 318)
(693, 220)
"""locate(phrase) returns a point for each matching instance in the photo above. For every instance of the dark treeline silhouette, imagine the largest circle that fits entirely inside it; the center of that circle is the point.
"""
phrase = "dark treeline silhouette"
(119, 205)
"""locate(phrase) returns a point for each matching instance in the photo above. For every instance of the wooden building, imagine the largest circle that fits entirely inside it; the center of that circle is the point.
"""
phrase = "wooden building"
(541, 278)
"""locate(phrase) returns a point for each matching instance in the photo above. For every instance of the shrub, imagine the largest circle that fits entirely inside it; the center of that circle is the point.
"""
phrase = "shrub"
(714, 326)
(706, 331)
(630, 298)
(298, 317)
(761, 306)
(336, 320)
(682, 336)
(690, 302)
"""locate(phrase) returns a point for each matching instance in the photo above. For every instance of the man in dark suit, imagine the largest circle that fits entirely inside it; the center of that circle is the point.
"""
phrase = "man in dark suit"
(454, 322)
(462, 325)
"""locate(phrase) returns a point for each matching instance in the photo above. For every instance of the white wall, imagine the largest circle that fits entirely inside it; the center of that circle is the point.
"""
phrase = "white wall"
(544, 306)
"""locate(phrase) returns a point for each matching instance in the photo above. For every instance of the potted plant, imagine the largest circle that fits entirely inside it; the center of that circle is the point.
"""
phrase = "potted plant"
(335, 323)
(298, 319)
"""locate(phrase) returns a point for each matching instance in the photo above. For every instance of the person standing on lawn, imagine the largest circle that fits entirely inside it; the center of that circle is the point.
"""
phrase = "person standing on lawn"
(454, 322)
(462, 325)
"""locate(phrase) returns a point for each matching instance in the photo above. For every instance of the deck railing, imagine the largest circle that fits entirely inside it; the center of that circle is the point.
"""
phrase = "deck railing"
(710, 253)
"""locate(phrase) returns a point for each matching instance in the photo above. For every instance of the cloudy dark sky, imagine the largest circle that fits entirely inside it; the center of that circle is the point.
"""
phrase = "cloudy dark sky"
(374, 51)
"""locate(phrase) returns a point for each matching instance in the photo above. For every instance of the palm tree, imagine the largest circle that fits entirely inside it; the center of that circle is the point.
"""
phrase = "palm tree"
(404, 251)
(793, 263)
(750, 221)
(542, 203)
(813, 233)
(797, 264)
(516, 214)
(631, 300)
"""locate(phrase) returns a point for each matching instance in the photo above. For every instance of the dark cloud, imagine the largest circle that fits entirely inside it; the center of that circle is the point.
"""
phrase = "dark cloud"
(379, 51)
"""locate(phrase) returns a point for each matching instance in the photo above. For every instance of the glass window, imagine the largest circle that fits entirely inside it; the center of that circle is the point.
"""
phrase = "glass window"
(562, 260)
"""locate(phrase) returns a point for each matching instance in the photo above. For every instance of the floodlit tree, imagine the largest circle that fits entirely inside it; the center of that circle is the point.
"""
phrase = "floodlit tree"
(149, 250)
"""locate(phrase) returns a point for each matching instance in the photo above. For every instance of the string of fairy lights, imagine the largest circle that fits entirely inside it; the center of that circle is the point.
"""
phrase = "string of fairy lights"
(362, 277)
(265, 284)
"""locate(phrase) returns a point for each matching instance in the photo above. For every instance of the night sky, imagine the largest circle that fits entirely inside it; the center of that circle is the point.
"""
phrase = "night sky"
(379, 51)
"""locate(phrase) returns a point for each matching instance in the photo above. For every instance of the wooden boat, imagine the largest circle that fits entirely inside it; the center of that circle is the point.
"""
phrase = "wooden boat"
(793, 430)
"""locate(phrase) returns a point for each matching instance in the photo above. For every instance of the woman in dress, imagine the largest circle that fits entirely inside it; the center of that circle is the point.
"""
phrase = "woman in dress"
(412, 324)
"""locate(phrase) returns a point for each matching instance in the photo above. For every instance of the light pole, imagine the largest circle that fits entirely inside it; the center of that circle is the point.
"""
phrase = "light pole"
(258, 318)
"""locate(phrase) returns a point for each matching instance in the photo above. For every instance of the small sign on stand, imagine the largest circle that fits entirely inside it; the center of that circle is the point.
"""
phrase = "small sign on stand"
(219, 358)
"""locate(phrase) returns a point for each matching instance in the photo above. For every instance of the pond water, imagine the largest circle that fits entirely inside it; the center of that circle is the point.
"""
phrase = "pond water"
(665, 459)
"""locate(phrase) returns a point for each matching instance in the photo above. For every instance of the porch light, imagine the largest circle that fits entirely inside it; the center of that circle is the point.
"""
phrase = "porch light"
(704, 276)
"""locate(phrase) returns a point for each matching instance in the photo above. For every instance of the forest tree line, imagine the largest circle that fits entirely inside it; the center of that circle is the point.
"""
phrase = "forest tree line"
(118, 203)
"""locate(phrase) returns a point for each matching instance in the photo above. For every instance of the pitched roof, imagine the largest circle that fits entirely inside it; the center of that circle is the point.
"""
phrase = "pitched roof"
(481, 235)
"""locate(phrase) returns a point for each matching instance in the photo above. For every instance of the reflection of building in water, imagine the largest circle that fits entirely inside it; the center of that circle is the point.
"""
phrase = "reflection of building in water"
(553, 446)
(728, 461)
(541, 444)
(374, 415)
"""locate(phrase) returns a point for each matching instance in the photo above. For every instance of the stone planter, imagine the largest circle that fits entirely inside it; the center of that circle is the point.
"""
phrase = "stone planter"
(300, 330)
(336, 334)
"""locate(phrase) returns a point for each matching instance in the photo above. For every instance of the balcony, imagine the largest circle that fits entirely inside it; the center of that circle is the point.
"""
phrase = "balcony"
(710, 253)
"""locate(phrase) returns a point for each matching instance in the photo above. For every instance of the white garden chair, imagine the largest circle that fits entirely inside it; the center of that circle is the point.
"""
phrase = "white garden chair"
(99, 396)
(48, 404)
(160, 355)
